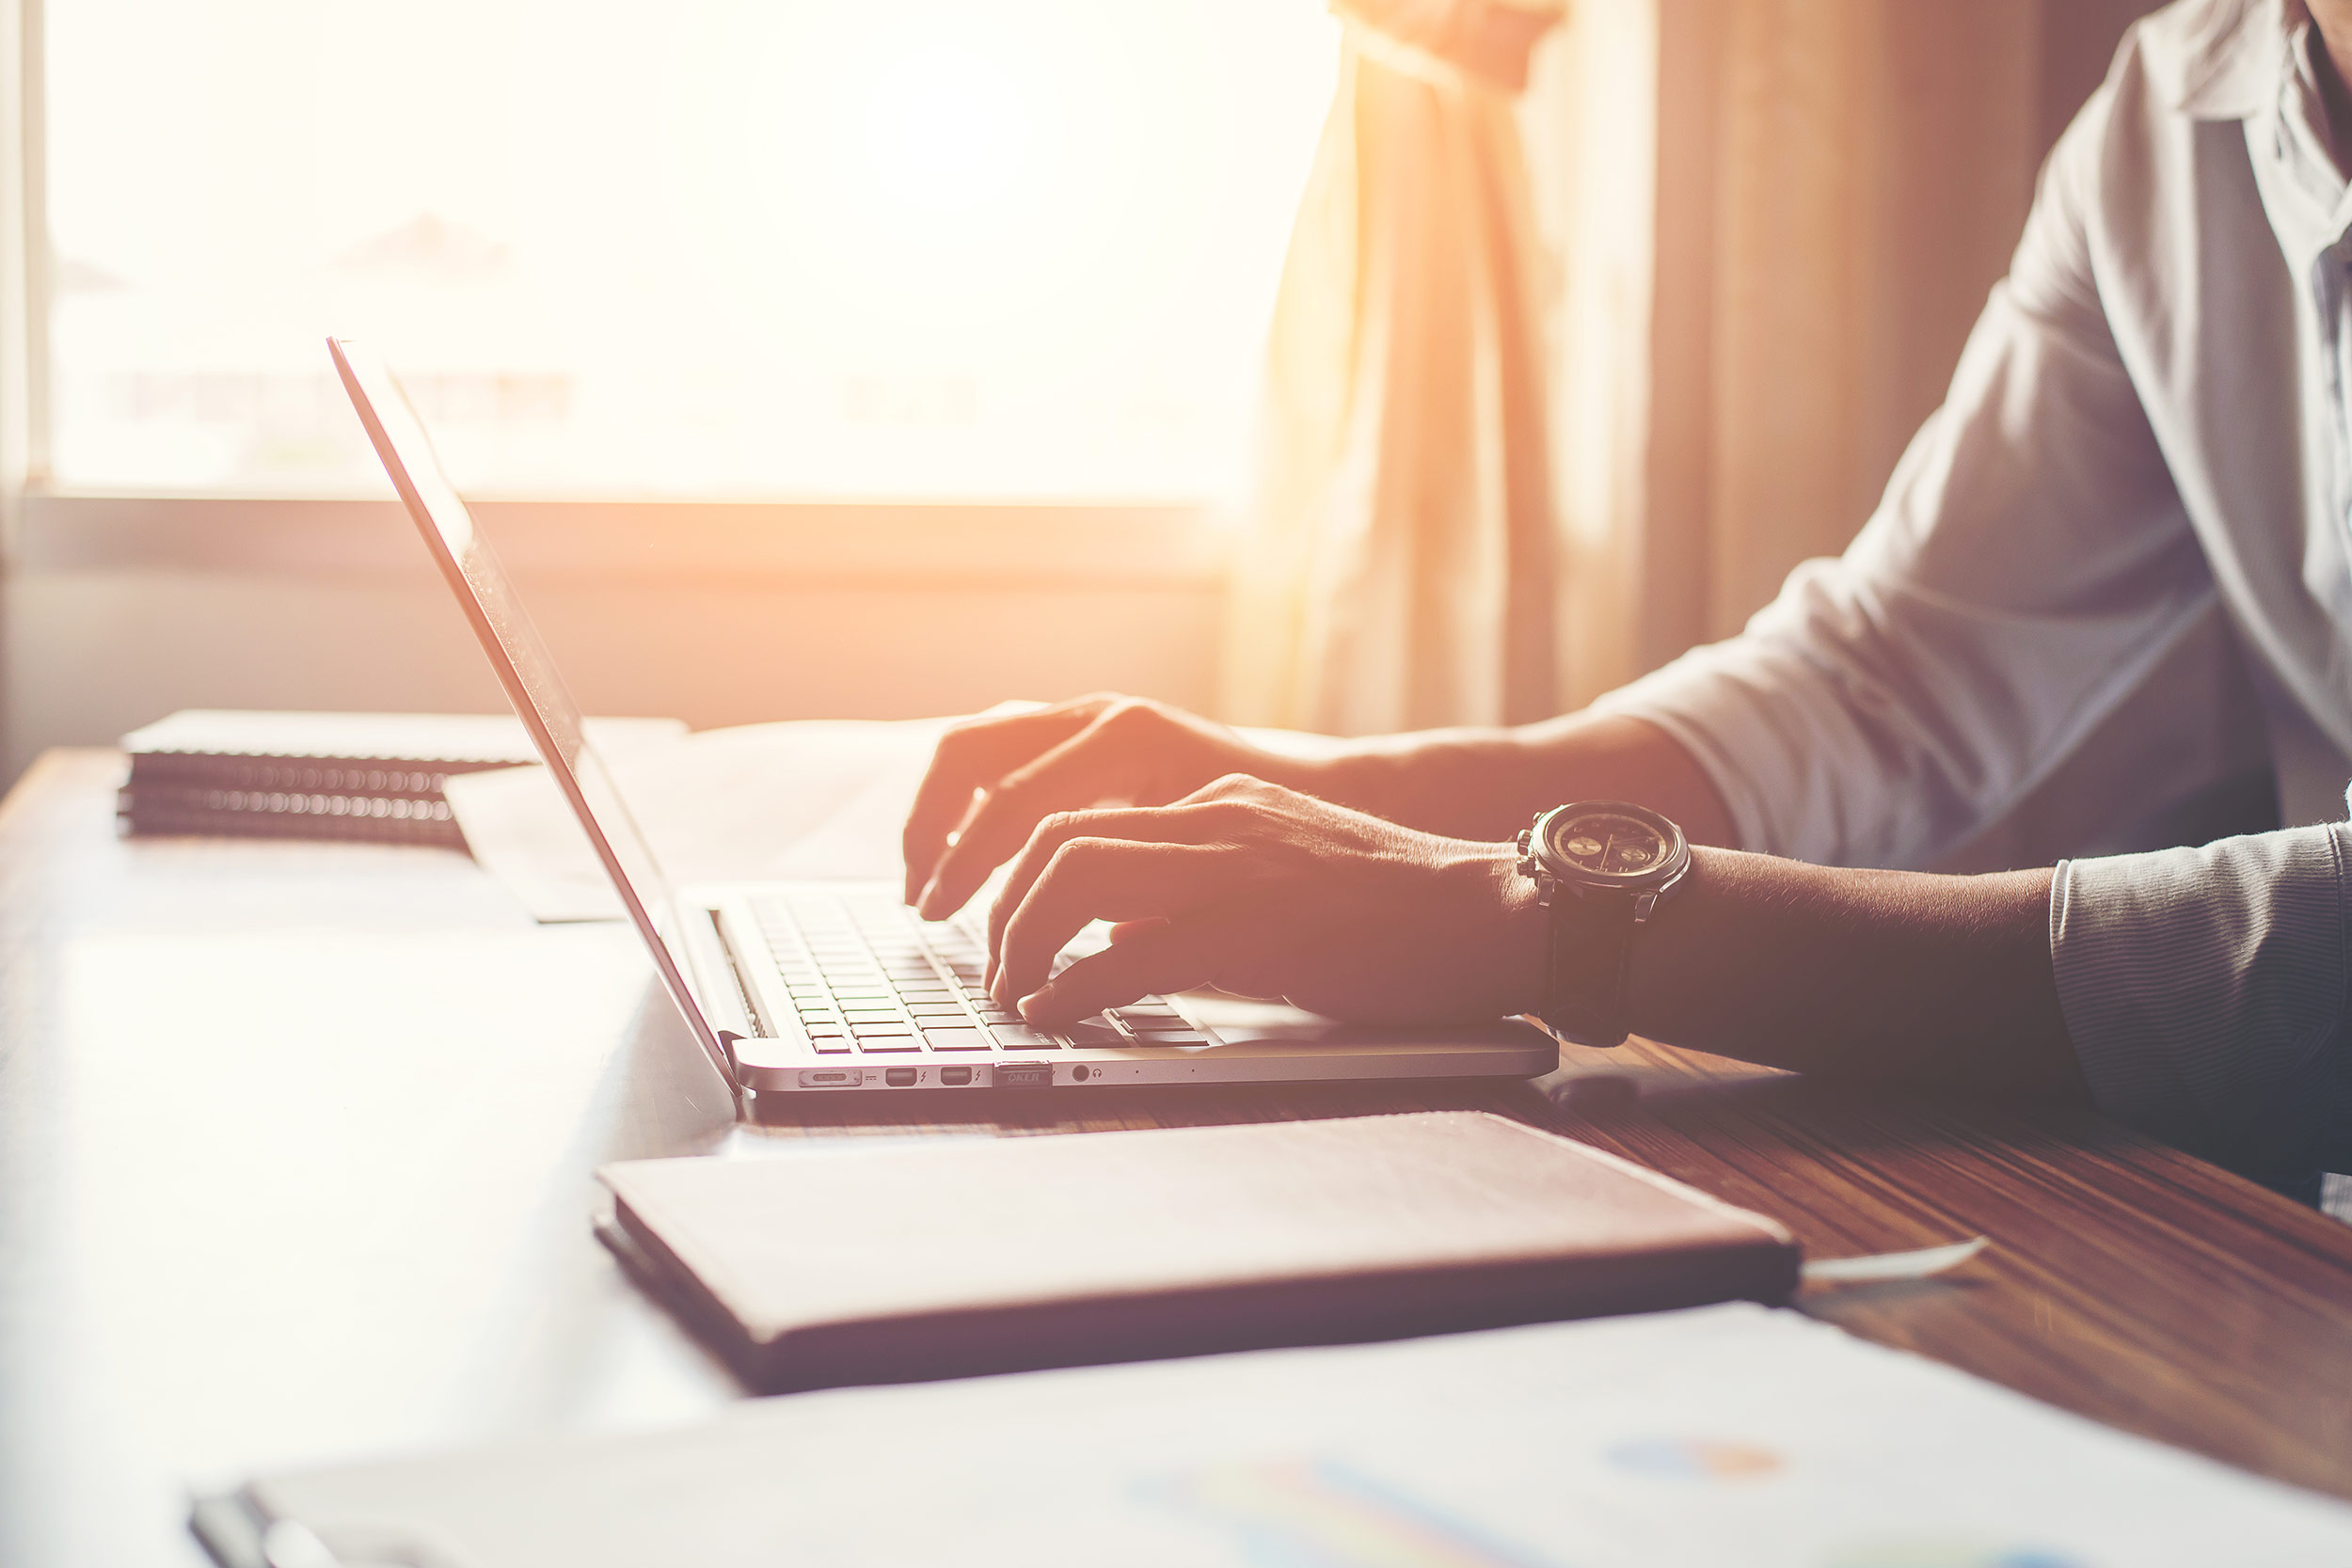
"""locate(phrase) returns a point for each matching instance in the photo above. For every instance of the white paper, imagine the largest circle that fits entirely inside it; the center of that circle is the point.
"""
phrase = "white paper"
(1721, 1435)
(817, 799)
(1878, 1267)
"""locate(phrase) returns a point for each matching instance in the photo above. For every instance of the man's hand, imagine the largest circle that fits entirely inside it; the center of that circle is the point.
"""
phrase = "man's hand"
(993, 779)
(1264, 892)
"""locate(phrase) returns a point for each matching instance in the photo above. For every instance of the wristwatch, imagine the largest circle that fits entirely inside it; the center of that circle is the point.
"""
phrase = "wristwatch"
(1601, 868)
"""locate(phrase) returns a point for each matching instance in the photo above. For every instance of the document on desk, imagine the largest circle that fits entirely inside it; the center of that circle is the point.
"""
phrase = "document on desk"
(806, 799)
(814, 800)
(1715, 1436)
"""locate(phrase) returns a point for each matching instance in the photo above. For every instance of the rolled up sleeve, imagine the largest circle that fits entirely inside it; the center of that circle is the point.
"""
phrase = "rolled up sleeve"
(2030, 562)
(2205, 993)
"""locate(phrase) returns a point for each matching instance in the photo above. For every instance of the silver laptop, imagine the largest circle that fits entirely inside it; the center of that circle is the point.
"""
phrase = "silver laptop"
(837, 987)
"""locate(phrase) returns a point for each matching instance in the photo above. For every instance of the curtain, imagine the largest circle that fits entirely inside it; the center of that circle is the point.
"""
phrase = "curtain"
(1579, 349)
(1401, 564)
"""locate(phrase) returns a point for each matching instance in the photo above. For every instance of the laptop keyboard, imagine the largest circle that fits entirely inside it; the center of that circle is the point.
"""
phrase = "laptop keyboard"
(866, 977)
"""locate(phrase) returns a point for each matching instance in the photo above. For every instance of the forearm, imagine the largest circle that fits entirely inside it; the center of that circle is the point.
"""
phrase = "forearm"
(1886, 974)
(1489, 784)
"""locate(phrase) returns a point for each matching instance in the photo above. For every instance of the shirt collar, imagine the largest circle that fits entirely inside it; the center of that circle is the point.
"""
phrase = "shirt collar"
(2221, 60)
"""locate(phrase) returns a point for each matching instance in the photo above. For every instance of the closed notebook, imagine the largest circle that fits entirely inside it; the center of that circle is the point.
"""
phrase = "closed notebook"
(329, 775)
(935, 1260)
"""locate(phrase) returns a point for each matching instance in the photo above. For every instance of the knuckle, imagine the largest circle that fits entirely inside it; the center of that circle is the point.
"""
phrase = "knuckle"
(960, 734)
(1130, 713)
(1073, 850)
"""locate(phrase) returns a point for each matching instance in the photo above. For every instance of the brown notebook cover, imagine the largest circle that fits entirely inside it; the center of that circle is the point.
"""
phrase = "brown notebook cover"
(943, 1259)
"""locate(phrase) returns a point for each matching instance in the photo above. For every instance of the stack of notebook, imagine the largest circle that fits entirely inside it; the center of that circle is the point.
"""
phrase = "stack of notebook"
(326, 775)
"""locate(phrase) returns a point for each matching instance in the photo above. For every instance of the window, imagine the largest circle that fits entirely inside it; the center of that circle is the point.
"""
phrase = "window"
(931, 249)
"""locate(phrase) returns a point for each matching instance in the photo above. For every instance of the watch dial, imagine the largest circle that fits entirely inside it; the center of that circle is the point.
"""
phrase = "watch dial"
(1610, 845)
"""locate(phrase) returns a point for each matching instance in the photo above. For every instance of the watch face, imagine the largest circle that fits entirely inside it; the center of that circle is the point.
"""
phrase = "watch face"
(1610, 844)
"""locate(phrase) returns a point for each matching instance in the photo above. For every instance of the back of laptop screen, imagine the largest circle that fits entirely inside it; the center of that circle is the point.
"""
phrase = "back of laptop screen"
(541, 699)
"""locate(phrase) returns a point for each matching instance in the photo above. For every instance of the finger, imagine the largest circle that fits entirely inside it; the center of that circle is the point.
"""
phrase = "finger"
(1145, 825)
(1233, 787)
(969, 757)
(1101, 879)
(1079, 772)
(1169, 956)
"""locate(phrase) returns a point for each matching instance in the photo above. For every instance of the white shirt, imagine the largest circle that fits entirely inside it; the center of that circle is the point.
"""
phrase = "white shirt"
(2152, 417)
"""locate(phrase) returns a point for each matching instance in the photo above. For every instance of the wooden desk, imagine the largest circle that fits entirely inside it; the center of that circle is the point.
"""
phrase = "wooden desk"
(296, 1142)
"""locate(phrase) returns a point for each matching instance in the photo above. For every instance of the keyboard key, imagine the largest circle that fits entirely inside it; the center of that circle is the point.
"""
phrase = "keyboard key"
(862, 1027)
(1093, 1035)
(1148, 1015)
(1018, 1036)
(934, 1010)
(873, 1044)
(957, 1040)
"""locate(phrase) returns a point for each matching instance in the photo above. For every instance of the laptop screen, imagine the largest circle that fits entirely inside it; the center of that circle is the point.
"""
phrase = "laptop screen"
(524, 668)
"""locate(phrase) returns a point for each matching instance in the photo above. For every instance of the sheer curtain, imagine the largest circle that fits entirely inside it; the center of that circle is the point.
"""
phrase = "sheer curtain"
(1575, 356)
(1401, 564)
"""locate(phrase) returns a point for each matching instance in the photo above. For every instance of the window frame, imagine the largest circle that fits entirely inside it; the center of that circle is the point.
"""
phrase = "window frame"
(891, 543)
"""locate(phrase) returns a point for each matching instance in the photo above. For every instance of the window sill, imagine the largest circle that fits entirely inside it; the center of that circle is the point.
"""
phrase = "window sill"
(903, 544)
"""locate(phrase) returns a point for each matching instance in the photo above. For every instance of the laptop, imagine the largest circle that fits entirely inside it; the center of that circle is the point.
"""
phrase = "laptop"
(838, 988)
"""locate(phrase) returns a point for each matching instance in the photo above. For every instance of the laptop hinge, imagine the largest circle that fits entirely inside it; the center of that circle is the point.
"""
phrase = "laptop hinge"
(725, 999)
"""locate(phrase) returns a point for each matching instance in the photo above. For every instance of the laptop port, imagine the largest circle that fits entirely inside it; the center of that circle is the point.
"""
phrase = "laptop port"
(954, 1077)
(900, 1077)
(830, 1078)
(1024, 1075)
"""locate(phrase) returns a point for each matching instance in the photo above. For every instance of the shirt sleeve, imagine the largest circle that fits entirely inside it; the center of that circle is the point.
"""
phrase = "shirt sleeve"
(2205, 992)
(2029, 563)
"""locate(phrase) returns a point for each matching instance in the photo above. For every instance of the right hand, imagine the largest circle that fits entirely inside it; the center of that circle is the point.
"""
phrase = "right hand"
(993, 779)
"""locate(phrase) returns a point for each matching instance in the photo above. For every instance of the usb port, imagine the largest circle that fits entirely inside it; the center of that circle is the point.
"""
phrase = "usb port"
(1024, 1075)
(954, 1077)
(900, 1077)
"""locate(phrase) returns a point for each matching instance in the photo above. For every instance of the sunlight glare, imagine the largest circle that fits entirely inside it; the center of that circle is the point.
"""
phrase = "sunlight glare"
(715, 248)
(945, 128)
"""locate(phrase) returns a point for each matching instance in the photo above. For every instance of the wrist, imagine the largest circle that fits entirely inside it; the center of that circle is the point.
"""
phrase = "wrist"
(1518, 947)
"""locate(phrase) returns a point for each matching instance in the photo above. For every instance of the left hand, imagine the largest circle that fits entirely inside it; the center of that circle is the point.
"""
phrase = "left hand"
(1264, 892)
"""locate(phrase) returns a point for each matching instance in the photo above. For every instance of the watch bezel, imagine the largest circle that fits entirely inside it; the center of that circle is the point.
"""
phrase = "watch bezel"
(1650, 878)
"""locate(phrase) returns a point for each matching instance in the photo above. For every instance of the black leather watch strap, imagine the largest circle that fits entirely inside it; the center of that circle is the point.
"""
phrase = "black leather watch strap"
(1592, 947)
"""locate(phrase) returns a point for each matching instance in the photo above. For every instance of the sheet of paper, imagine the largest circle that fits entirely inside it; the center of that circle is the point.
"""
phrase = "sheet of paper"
(1724, 1435)
(820, 799)
(810, 799)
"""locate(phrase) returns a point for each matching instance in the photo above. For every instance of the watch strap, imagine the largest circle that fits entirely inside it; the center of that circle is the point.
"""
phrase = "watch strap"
(1587, 973)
